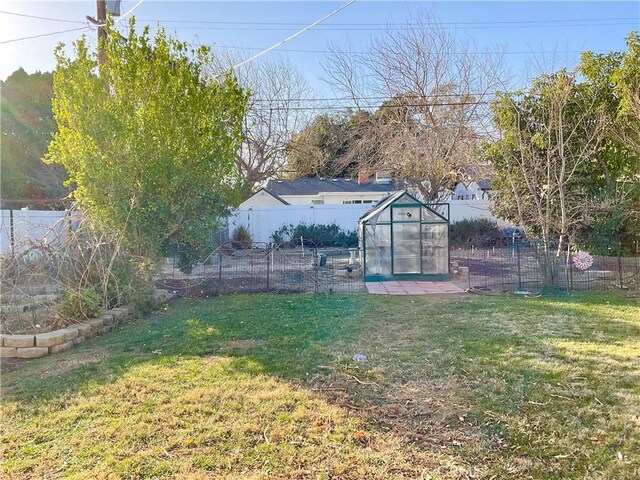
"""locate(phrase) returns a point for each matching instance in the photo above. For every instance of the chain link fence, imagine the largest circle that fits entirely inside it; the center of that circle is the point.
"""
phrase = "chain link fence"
(530, 268)
(261, 267)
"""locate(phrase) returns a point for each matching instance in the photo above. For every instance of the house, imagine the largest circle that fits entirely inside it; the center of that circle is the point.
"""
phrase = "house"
(341, 201)
(323, 191)
(471, 190)
(264, 198)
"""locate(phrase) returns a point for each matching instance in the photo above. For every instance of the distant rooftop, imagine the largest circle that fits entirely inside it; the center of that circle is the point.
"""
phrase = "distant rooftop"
(315, 185)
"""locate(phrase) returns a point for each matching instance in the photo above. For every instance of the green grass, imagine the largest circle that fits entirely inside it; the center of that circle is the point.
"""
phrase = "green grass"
(264, 387)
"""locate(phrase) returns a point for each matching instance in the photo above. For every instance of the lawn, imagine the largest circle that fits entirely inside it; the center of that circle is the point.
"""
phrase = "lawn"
(262, 386)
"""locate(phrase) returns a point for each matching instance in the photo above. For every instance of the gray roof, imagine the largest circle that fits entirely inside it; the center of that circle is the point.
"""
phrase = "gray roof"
(314, 185)
(484, 184)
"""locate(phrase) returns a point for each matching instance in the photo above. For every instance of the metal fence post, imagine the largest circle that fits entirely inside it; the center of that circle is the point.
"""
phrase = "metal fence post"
(12, 235)
(268, 262)
(620, 275)
(517, 245)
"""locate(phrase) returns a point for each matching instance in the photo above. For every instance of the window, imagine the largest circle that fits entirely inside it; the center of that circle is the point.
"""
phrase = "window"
(473, 196)
(466, 197)
(317, 202)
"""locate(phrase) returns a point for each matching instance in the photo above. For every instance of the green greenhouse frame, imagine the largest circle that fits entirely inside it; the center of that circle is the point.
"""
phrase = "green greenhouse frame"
(402, 238)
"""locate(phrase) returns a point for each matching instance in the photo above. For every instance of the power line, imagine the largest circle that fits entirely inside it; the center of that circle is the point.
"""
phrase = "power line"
(291, 37)
(124, 15)
(43, 35)
(379, 98)
(387, 24)
(362, 52)
(42, 18)
(363, 107)
(328, 28)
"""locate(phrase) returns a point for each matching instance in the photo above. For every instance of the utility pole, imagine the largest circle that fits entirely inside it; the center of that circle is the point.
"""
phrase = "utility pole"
(102, 34)
(101, 6)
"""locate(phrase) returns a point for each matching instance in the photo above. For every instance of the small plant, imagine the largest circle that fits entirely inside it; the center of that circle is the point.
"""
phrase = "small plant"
(241, 237)
(80, 305)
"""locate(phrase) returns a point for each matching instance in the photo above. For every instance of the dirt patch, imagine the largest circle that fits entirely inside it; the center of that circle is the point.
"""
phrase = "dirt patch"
(58, 367)
(430, 414)
(244, 344)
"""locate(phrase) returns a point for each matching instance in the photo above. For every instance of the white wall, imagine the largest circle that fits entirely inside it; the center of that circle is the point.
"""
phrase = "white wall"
(334, 198)
(260, 199)
(31, 227)
(263, 221)
(469, 209)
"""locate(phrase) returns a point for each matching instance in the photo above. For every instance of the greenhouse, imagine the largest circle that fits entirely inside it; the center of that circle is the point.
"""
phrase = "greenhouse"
(403, 238)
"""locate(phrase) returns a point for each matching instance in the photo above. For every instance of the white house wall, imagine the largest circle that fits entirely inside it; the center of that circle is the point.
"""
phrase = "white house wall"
(334, 198)
(261, 199)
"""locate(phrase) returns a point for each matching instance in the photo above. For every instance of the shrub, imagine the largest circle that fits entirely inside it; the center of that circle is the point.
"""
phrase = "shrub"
(241, 238)
(317, 235)
(479, 232)
(80, 305)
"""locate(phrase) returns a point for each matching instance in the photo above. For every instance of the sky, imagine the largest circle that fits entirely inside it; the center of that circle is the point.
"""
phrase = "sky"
(533, 35)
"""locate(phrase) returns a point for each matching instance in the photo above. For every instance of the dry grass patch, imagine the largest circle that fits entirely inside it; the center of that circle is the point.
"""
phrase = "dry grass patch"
(481, 387)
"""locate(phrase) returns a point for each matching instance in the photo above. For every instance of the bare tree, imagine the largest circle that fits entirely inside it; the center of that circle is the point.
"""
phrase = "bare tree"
(432, 96)
(276, 112)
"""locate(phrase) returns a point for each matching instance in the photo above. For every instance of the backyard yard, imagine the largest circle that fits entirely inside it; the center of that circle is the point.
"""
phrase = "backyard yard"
(264, 386)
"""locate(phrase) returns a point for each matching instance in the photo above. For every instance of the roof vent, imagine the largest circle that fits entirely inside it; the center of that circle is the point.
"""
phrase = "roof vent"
(347, 179)
(334, 179)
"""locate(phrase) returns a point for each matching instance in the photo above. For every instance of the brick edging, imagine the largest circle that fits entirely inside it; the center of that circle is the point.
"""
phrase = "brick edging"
(42, 344)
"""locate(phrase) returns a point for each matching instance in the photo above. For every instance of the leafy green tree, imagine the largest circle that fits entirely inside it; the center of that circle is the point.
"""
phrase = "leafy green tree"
(26, 128)
(148, 144)
(325, 148)
(549, 136)
(612, 179)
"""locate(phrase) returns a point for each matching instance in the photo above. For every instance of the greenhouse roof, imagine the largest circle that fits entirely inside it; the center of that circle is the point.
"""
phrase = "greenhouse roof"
(373, 214)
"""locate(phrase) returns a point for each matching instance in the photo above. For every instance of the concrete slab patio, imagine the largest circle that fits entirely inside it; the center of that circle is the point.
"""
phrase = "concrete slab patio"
(412, 288)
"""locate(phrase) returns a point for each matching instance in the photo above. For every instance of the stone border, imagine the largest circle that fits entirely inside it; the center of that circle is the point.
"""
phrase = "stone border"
(42, 344)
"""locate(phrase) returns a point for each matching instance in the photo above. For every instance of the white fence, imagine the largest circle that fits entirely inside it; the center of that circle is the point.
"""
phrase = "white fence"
(263, 221)
(469, 209)
(21, 228)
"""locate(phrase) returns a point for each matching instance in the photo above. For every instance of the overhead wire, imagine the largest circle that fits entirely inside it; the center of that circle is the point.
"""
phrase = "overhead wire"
(386, 24)
(41, 18)
(291, 37)
(362, 52)
(43, 35)
(124, 15)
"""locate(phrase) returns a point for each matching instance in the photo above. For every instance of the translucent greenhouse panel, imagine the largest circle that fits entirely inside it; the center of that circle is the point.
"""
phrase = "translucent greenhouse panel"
(429, 216)
(406, 244)
(435, 249)
(377, 250)
(404, 199)
(385, 216)
(405, 214)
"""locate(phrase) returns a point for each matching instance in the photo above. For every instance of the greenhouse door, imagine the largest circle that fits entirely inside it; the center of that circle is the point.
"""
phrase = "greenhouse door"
(406, 248)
